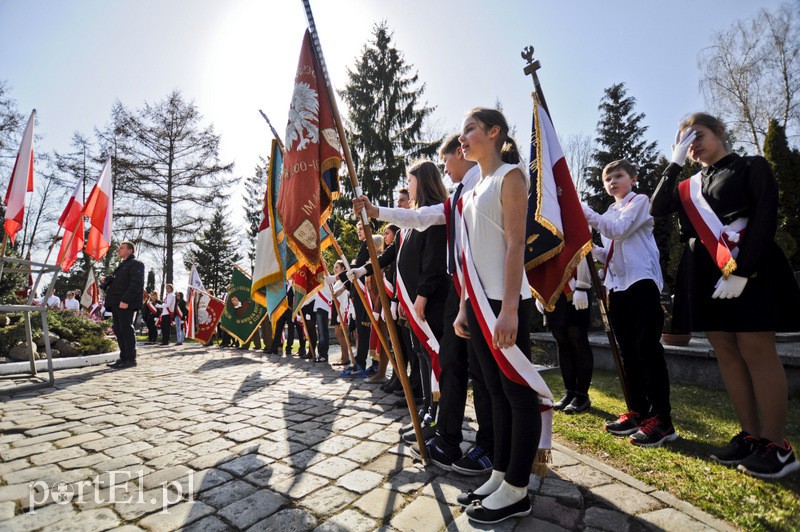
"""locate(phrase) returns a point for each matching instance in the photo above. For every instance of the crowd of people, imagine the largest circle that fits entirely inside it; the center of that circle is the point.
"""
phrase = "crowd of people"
(453, 268)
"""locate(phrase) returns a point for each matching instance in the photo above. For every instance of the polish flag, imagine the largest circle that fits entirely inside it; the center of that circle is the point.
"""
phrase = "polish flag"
(72, 222)
(98, 208)
(21, 182)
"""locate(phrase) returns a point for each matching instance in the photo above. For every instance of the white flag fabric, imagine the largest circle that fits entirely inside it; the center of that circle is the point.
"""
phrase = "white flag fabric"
(20, 183)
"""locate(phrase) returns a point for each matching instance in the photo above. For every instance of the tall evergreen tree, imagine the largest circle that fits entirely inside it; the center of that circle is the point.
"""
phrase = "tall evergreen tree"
(167, 164)
(386, 116)
(151, 281)
(214, 252)
(620, 135)
(786, 166)
(255, 187)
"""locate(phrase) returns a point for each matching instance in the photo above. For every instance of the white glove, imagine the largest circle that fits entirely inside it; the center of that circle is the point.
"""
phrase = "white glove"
(588, 212)
(376, 315)
(580, 299)
(393, 308)
(338, 287)
(539, 306)
(356, 273)
(599, 253)
(729, 288)
(330, 279)
(681, 147)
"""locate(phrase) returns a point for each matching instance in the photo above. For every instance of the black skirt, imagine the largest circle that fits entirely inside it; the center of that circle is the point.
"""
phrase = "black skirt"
(566, 315)
(769, 301)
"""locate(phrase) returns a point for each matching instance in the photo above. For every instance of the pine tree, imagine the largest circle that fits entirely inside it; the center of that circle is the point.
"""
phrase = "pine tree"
(214, 252)
(386, 117)
(255, 187)
(151, 281)
(786, 167)
(620, 135)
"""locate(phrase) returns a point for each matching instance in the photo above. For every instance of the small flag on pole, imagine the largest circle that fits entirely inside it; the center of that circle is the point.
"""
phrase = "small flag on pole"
(21, 182)
(99, 209)
(72, 222)
(91, 293)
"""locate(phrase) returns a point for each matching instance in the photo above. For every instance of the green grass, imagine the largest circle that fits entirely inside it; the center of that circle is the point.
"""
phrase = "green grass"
(704, 419)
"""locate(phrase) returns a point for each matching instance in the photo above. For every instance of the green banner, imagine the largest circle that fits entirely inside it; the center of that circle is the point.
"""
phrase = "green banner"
(242, 315)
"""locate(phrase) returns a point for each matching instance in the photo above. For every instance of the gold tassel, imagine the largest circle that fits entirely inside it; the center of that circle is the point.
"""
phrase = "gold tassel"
(436, 396)
(729, 267)
(543, 457)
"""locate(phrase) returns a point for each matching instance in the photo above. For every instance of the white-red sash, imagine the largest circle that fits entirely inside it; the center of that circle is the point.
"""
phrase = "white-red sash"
(720, 240)
(388, 286)
(457, 275)
(420, 327)
(323, 298)
(152, 308)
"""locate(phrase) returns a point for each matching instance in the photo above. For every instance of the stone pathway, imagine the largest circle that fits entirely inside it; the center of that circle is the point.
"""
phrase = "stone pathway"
(212, 439)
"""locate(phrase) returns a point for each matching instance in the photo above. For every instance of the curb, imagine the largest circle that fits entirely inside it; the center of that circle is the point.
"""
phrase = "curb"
(23, 368)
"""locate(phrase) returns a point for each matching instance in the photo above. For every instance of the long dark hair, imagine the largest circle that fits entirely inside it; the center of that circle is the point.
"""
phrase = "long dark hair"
(490, 118)
(430, 189)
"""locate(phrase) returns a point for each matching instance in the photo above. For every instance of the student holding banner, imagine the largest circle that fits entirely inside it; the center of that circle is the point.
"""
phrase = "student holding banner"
(735, 283)
(495, 313)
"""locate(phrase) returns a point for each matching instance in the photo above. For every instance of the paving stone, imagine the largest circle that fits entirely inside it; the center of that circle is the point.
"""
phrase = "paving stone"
(365, 452)
(42, 517)
(532, 524)
(77, 440)
(446, 489)
(246, 434)
(246, 464)
(333, 467)
(409, 480)
(208, 524)
(380, 503)
(161, 450)
(463, 523)
(40, 439)
(14, 492)
(299, 486)
(625, 498)
(349, 521)
(670, 519)
(550, 509)
(606, 520)
(289, 520)
(280, 449)
(176, 516)
(336, 445)
(172, 459)
(128, 448)
(363, 430)
(7, 510)
(423, 513)
(310, 438)
(14, 465)
(165, 476)
(228, 493)
(115, 464)
(204, 480)
(304, 459)
(28, 450)
(271, 475)
(212, 460)
(31, 474)
(389, 464)
(584, 475)
(200, 437)
(88, 521)
(134, 473)
(562, 490)
(251, 509)
(105, 443)
(360, 481)
(131, 506)
(327, 500)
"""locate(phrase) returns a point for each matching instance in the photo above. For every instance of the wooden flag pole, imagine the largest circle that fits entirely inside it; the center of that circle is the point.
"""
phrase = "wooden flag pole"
(373, 255)
(530, 70)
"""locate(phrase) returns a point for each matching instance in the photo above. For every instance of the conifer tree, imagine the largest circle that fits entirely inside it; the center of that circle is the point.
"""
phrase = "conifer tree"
(255, 187)
(386, 116)
(620, 135)
(786, 167)
(151, 281)
(214, 252)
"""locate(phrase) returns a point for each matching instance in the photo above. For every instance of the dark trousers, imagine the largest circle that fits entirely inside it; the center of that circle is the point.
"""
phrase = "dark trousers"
(122, 325)
(459, 363)
(166, 326)
(323, 333)
(515, 408)
(363, 330)
(412, 359)
(638, 319)
(152, 330)
(278, 333)
(575, 357)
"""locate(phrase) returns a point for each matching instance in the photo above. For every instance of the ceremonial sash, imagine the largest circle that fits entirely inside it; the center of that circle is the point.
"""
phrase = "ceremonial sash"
(178, 311)
(421, 328)
(388, 286)
(720, 240)
(448, 208)
(324, 299)
(511, 360)
(152, 308)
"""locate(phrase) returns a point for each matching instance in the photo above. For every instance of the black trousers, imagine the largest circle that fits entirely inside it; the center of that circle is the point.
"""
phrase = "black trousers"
(363, 330)
(166, 326)
(152, 330)
(459, 364)
(638, 319)
(515, 408)
(277, 334)
(122, 325)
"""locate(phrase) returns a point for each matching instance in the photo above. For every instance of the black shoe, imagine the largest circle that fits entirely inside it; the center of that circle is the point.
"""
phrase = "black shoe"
(436, 455)
(625, 424)
(128, 364)
(479, 514)
(770, 460)
(401, 403)
(579, 403)
(475, 462)
(116, 365)
(466, 499)
(321, 358)
(740, 447)
(654, 433)
(428, 432)
(568, 397)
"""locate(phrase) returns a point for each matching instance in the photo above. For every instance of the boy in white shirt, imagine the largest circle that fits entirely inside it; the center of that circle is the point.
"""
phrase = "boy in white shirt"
(633, 279)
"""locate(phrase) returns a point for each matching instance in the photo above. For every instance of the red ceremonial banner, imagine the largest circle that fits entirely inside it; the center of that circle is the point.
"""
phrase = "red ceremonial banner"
(309, 181)
(207, 316)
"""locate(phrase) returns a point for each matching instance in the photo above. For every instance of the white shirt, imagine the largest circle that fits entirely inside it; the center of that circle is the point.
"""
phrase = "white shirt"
(320, 303)
(54, 301)
(169, 304)
(629, 224)
(72, 304)
(428, 216)
(483, 221)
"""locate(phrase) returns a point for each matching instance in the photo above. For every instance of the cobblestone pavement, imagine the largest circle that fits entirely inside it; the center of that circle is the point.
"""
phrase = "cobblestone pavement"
(211, 439)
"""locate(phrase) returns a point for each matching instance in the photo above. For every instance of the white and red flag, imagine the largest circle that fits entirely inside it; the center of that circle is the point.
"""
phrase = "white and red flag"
(99, 209)
(91, 292)
(21, 182)
(72, 222)
(192, 298)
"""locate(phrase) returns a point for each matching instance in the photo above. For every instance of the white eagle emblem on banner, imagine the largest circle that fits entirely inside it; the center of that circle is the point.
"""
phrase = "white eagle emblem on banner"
(303, 123)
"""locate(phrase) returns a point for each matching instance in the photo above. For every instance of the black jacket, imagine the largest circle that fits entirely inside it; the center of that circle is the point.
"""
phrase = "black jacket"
(127, 285)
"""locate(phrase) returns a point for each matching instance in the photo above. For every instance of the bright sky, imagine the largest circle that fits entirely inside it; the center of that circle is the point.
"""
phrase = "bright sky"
(72, 59)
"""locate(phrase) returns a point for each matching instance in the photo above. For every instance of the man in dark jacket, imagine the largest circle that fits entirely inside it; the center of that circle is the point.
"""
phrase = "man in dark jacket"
(123, 298)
